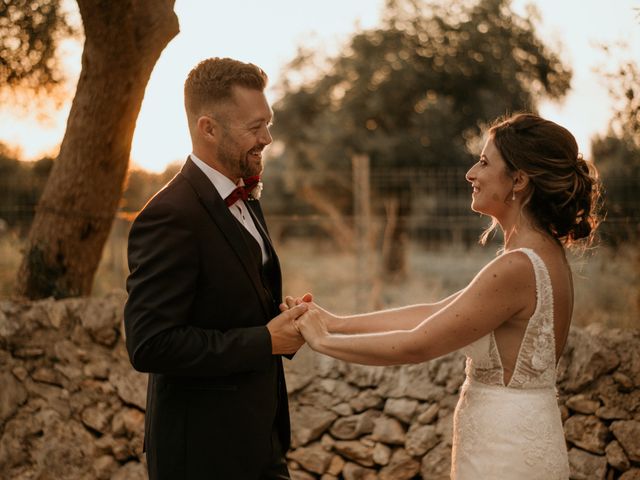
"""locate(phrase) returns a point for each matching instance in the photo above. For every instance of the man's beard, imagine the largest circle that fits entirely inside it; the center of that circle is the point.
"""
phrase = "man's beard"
(249, 168)
(237, 162)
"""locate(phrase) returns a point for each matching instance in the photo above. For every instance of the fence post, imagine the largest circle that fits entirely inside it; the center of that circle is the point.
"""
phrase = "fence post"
(362, 220)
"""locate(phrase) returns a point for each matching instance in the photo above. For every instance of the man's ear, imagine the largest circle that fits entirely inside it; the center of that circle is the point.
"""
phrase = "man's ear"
(520, 181)
(208, 128)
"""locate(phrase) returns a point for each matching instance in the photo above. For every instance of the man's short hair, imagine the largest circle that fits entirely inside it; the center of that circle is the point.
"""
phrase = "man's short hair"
(211, 81)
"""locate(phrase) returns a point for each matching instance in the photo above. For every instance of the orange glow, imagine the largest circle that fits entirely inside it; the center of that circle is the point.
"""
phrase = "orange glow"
(268, 33)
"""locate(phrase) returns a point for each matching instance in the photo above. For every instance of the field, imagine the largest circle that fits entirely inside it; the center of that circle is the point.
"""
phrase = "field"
(607, 281)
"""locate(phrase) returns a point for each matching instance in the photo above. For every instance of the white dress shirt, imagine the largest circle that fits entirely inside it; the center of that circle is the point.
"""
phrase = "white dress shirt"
(239, 209)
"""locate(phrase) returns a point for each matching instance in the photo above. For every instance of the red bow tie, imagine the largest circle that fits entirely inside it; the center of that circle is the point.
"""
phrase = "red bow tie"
(243, 191)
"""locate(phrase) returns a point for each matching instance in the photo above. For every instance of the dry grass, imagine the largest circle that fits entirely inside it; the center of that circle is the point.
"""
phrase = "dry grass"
(607, 281)
(607, 287)
(10, 257)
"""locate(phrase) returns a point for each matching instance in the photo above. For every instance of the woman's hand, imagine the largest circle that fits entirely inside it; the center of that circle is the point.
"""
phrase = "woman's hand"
(290, 302)
(329, 320)
(313, 326)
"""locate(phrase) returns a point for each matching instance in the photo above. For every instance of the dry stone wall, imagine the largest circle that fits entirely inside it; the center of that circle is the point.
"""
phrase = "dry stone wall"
(358, 422)
(72, 407)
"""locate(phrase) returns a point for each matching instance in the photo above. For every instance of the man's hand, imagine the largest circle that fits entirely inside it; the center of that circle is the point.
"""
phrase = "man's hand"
(285, 338)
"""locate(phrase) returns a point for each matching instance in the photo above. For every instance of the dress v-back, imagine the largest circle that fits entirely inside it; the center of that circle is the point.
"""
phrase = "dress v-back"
(513, 430)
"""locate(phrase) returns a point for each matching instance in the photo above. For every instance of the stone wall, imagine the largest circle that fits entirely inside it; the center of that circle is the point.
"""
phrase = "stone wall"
(72, 407)
(395, 423)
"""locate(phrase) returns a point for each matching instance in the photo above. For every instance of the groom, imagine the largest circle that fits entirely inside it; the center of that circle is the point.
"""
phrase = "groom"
(204, 290)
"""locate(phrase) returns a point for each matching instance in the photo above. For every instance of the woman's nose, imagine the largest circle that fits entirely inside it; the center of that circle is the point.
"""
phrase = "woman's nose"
(470, 176)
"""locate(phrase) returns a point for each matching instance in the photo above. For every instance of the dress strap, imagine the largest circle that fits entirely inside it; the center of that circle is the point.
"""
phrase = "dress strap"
(544, 290)
(535, 363)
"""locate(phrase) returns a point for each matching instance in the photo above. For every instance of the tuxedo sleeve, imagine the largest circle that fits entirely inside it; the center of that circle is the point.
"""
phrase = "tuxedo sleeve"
(163, 261)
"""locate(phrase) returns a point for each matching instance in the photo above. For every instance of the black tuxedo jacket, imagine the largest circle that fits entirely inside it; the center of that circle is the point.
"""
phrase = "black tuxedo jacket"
(195, 319)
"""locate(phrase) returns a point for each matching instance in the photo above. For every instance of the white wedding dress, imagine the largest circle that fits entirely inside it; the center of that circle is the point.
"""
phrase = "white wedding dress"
(512, 431)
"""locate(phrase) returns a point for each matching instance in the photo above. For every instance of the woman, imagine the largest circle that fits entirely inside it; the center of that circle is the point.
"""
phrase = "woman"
(511, 321)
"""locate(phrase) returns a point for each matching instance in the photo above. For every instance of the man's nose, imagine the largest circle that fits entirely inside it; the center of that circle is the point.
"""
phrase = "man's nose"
(266, 136)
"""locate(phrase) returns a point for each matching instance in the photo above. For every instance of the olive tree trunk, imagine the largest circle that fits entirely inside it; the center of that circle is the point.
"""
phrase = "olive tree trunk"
(123, 41)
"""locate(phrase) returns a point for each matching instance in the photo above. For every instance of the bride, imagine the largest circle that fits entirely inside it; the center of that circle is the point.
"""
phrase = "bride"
(511, 321)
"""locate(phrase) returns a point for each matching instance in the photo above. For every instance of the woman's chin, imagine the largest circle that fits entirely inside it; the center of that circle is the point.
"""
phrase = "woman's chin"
(478, 208)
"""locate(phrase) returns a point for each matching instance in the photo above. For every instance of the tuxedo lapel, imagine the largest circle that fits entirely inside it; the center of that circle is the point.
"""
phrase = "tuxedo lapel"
(227, 224)
(258, 218)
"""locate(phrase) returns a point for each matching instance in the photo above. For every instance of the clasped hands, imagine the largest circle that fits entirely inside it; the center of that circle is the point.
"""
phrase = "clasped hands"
(301, 320)
(312, 324)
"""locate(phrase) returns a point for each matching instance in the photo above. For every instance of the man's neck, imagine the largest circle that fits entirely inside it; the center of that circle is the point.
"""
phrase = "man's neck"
(212, 162)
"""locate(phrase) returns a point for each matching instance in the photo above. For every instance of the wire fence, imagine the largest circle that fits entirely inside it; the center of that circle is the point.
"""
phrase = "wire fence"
(431, 205)
(324, 214)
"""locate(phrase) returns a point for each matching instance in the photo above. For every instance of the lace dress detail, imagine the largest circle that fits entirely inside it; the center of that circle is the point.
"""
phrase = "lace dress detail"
(512, 431)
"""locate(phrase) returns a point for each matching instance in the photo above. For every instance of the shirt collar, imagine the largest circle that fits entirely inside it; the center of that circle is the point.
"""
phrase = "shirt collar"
(222, 184)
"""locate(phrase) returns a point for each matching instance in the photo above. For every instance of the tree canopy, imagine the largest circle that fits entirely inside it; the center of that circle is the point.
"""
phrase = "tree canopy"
(414, 91)
(30, 32)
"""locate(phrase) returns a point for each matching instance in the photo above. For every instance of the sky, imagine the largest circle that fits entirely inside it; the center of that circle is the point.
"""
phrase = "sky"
(269, 33)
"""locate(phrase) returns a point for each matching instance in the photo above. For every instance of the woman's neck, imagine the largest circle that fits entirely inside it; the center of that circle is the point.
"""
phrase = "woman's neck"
(521, 232)
(526, 236)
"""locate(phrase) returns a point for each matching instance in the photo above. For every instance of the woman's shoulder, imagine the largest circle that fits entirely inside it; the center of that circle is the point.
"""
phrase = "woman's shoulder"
(510, 275)
(510, 263)
(524, 265)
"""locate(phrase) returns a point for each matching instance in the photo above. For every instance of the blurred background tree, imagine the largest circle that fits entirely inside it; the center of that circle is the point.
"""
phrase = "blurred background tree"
(413, 95)
(142, 185)
(415, 92)
(30, 33)
(22, 184)
(617, 153)
(123, 40)
(19, 196)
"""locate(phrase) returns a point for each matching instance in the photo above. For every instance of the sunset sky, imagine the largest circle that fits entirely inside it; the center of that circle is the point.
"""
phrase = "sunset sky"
(268, 34)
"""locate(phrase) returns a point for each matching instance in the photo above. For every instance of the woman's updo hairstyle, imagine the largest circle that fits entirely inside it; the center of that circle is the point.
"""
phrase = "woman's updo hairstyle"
(565, 196)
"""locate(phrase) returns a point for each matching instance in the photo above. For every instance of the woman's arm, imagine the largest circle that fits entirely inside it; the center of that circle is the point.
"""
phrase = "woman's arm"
(500, 291)
(402, 318)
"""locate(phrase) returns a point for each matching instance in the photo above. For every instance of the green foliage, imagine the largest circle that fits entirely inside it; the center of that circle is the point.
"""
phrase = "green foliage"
(618, 161)
(417, 90)
(142, 185)
(617, 154)
(21, 184)
(619, 165)
(624, 87)
(30, 31)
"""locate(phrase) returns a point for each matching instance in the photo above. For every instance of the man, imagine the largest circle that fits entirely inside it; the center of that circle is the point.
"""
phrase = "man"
(204, 291)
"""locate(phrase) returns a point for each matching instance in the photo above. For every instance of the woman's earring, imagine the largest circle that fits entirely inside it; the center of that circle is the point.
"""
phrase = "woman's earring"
(513, 194)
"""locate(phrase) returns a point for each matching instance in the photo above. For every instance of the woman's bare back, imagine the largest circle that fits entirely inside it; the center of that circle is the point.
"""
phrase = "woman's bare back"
(510, 334)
